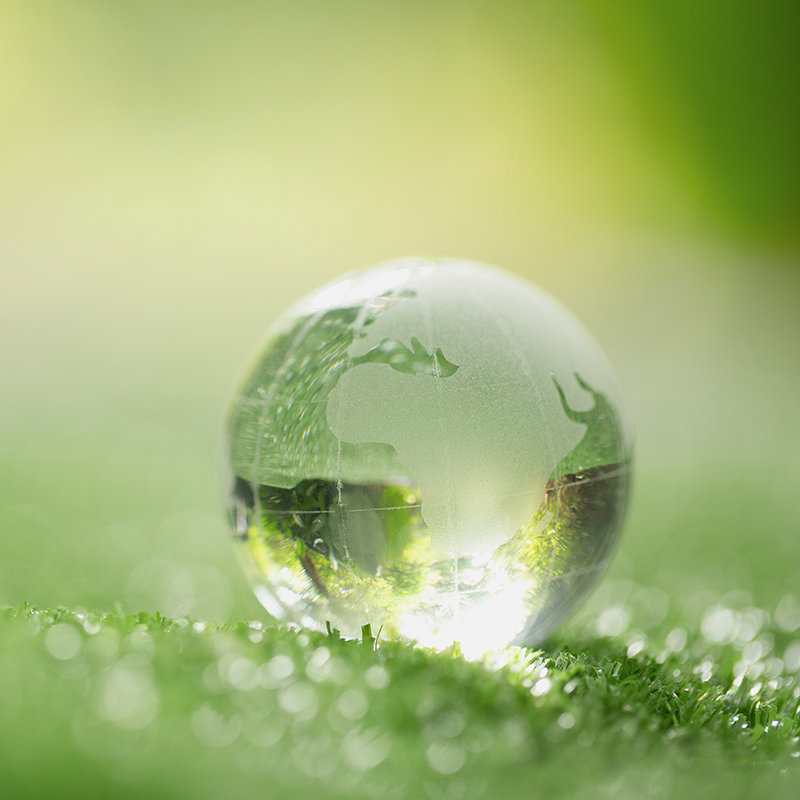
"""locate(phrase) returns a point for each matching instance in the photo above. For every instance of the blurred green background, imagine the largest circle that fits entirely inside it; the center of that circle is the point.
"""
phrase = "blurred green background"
(173, 175)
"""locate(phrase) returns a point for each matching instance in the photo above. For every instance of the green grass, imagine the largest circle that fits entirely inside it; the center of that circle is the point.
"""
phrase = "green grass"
(124, 705)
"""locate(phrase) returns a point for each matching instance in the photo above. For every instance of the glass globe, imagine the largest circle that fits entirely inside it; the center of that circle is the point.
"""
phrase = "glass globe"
(435, 448)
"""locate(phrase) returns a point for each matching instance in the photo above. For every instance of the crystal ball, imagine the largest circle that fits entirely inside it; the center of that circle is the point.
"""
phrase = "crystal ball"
(437, 449)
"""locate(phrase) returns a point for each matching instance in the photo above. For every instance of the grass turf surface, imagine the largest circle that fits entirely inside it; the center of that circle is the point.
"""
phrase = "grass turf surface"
(129, 705)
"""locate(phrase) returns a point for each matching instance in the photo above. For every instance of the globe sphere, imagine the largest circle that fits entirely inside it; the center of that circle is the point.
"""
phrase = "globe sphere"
(435, 448)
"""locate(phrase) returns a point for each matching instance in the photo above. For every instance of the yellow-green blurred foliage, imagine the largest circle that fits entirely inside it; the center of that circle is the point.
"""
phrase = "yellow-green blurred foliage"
(173, 174)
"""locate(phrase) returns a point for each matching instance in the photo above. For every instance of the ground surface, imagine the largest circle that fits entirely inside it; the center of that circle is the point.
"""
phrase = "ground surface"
(109, 704)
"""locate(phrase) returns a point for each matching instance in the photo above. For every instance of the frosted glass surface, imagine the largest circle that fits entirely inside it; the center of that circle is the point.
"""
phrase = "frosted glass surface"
(436, 447)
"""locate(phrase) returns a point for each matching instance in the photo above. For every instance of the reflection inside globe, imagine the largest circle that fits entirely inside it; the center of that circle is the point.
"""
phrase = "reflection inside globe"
(434, 449)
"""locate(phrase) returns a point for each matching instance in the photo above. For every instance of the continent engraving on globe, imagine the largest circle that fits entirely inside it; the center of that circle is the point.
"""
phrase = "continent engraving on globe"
(435, 447)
